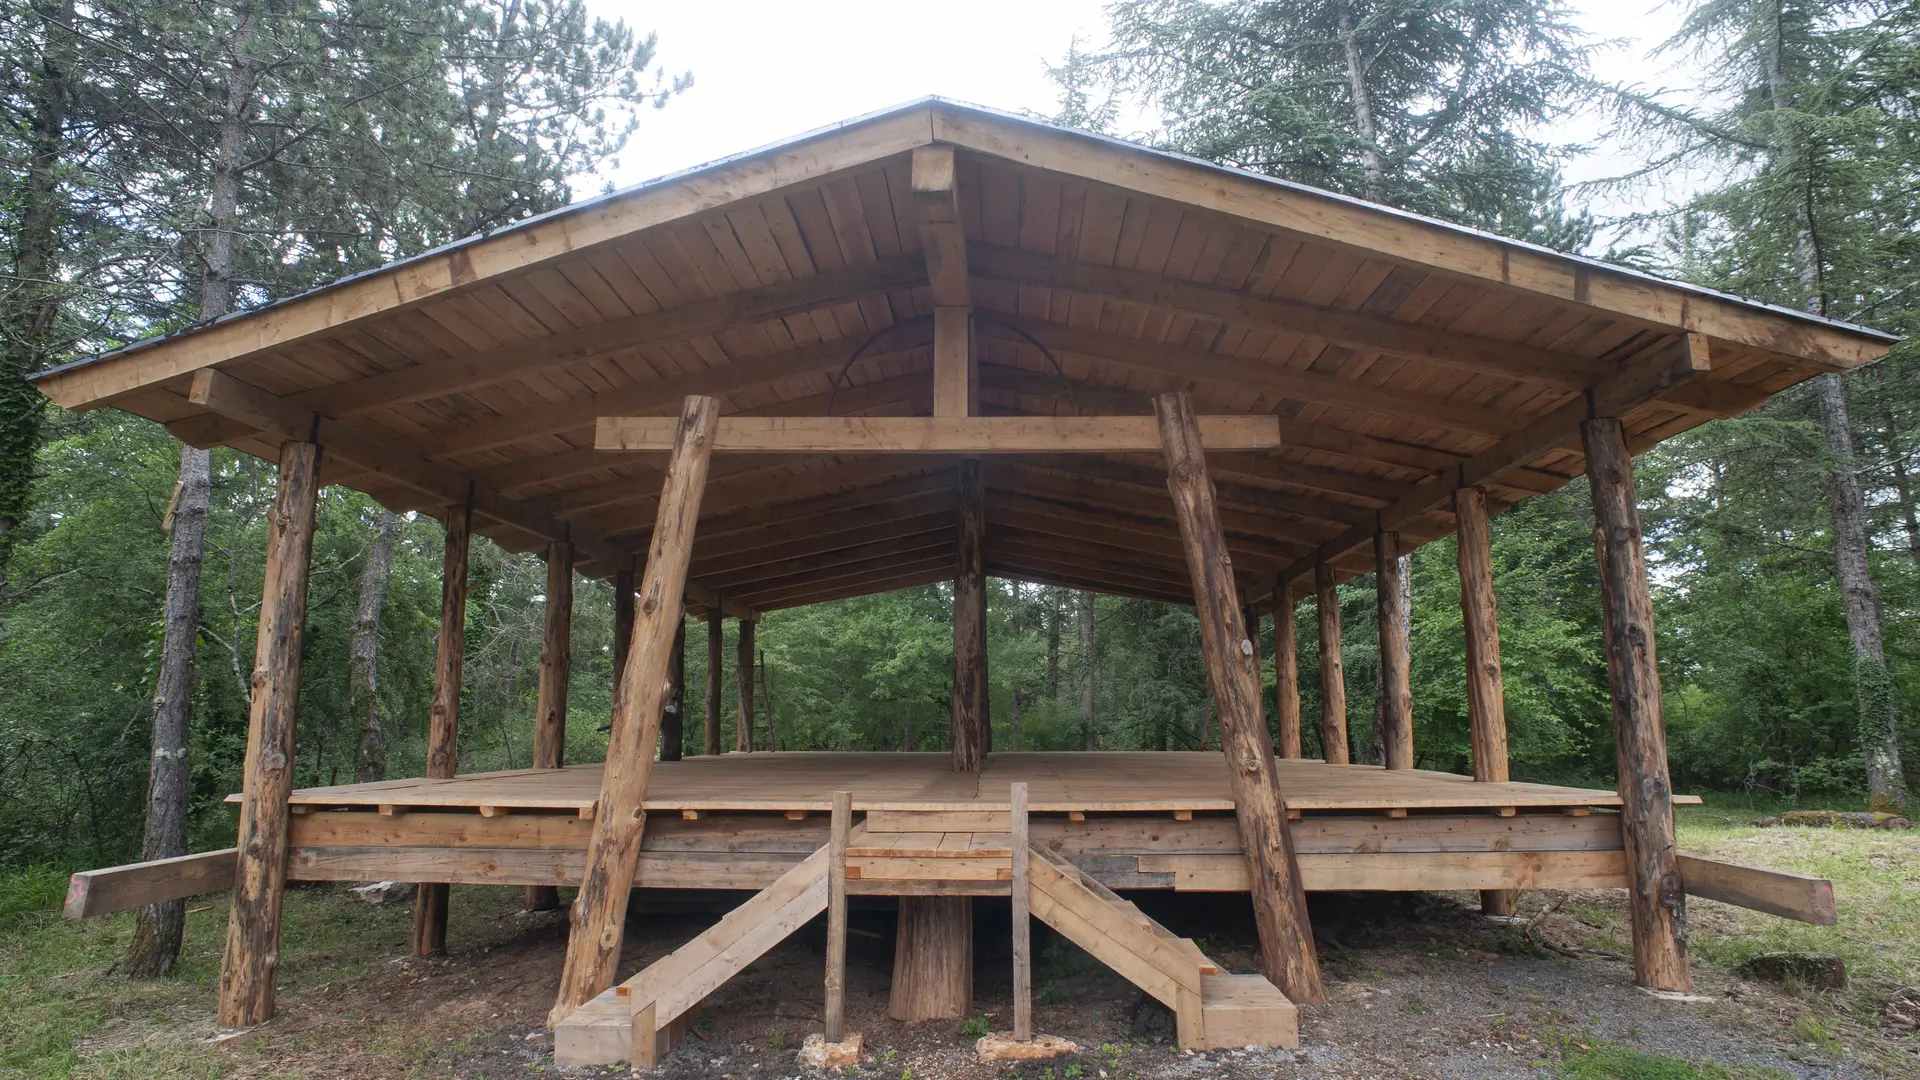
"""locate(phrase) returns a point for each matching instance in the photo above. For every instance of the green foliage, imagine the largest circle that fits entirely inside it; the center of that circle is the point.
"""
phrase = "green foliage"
(973, 1027)
(1598, 1059)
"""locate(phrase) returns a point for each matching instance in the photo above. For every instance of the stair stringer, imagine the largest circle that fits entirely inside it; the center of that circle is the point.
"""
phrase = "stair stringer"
(601, 1032)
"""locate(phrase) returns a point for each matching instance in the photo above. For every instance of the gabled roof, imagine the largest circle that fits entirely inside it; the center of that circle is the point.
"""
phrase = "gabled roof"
(1404, 357)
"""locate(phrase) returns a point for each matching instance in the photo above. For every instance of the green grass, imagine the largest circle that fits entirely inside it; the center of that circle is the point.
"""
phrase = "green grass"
(1597, 1059)
(1876, 886)
(64, 1012)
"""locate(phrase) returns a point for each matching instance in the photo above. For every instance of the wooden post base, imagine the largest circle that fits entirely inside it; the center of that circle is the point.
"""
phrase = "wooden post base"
(933, 959)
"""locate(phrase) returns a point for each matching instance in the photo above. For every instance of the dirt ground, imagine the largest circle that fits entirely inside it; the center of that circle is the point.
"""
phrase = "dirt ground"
(1421, 986)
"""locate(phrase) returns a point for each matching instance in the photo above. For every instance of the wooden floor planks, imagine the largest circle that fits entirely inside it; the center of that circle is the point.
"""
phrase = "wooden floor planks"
(1118, 781)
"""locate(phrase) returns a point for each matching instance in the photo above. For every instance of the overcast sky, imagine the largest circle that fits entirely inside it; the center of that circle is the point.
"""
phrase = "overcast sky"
(766, 70)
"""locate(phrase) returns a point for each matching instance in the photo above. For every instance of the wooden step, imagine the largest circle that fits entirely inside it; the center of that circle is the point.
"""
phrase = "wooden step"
(1246, 1010)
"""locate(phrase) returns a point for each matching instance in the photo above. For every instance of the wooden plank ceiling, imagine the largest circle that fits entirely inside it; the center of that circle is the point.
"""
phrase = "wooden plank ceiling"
(806, 291)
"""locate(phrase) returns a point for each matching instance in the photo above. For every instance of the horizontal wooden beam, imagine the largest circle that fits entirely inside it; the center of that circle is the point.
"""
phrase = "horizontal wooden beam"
(1642, 381)
(699, 318)
(1355, 330)
(471, 434)
(1265, 377)
(935, 434)
(123, 888)
(1776, 892)
(221, 393)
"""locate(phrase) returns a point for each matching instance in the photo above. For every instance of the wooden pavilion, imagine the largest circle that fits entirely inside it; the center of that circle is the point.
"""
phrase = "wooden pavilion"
(940, 343)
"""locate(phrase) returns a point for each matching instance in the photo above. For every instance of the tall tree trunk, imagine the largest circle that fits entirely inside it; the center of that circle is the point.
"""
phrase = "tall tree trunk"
(1019, 705)
(1403, 611)
(370, 760)
(1055, 612)
(156, 939)
(1371, 161)
(157, 929)
(1876, 696)
(1089, 739)
(30, 301)
(1903, 485)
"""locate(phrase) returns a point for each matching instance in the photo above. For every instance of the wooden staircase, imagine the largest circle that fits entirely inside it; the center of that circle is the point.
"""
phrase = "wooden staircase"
(641, 1019)
(1212, 1010)
(935, 853)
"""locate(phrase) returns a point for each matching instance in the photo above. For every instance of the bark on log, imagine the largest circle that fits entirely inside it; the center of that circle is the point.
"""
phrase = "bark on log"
(673, 717)
(933, 959)
(1333, 676)
(443, 718)
(253, 920)
(159, 928)
(743, 687)
(1279, 904)
(971, 736)
(622, 628)
(1396, 680)
(363, 655)
(1656, 897)
(1486, 694)
(716, 642)
(613, 850)
(1286, 673)
(556, 667)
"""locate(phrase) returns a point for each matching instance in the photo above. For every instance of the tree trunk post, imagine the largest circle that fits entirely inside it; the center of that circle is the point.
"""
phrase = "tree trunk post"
(716, 648)
(253, 920)
(363, 656)
(933, 959)
(743, 687)
(1396, 679)
(838, 830)
(622, 628)
(1655, 897)
(971, 735)
(1333, 676)
(1017, 836)
(1233, 672)
(556, 666)
(673, 718)
(1486, 696)
(613, 849)
(1286, 673)
(443, 717)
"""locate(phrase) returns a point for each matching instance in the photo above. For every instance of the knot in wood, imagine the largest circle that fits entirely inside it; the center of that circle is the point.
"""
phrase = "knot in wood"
(1246, 647)
(1187, 470)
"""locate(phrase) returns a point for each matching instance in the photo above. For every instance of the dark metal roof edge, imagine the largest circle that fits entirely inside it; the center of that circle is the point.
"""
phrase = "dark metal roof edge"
(1107, 141)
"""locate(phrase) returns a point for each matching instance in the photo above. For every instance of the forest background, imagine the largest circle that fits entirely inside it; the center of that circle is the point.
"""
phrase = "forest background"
(168, 162)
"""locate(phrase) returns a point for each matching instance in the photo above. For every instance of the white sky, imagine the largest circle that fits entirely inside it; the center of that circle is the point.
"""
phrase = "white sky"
(766, 70)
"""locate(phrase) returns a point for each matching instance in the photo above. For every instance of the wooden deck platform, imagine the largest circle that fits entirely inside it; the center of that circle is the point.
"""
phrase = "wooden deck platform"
(1130, 820)
(1104, 782)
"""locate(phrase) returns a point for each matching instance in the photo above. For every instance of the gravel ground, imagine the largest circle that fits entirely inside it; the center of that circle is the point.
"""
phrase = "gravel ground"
(1421, 986)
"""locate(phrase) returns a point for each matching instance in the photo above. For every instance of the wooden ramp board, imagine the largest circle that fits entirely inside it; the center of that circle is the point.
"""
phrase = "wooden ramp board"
(122, 888)
(1087, 782)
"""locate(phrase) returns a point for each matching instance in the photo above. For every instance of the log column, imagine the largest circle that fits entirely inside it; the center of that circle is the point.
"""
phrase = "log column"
(1486, 695)
(430, 899)
(556, 666)
(673, 713)
(716, 645)
(1333, 676)
(260, 881)
(933, 955)
(622, 627)
(1286, 673)
(971, 736)
(1655, 896)
(743, 687)
(613, 849)
(1233, 672)
(1396, 685)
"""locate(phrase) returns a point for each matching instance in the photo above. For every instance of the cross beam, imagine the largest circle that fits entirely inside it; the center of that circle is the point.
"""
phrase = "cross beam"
(935, 434)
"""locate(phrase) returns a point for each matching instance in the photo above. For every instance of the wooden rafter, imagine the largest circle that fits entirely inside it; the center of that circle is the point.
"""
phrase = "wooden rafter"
(935, 434)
